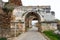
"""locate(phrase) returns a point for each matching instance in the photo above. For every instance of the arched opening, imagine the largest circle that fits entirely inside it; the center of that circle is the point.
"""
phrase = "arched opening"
(31, 16)
(34, 27)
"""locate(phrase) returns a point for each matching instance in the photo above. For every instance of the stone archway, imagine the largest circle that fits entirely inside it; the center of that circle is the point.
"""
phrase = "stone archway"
(32, 16)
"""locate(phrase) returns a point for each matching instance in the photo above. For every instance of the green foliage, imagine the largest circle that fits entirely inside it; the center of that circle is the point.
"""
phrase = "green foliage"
(57, 20)
(6, 3)
(7, 9)
(3, 38)
(52, 35)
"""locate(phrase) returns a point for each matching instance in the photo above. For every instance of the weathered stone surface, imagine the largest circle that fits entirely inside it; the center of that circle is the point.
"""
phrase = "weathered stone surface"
(16, 2)
(46, 21)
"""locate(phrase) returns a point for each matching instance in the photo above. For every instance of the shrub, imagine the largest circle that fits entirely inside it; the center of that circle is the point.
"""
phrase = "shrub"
(52, 35)
(3, 38)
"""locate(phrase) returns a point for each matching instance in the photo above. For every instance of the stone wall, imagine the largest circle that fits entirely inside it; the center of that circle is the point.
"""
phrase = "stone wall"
(49, 26)
(23, 10)
(4, 22)
(16, 29)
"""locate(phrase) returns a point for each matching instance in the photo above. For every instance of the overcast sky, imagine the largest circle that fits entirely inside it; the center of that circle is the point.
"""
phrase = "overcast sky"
(55, 5)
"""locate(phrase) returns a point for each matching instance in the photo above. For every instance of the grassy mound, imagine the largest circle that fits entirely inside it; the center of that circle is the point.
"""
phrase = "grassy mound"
(52, 35)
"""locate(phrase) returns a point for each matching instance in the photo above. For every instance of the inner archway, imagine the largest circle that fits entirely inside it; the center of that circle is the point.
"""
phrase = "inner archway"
(34, 25)
(28, 20)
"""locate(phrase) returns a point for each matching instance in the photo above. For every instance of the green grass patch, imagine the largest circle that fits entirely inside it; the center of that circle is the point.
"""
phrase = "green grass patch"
(3, 38)
(52, 35)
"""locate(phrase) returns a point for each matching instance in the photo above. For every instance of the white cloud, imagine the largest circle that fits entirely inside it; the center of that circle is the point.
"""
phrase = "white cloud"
(34, 22)
(5, 0)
